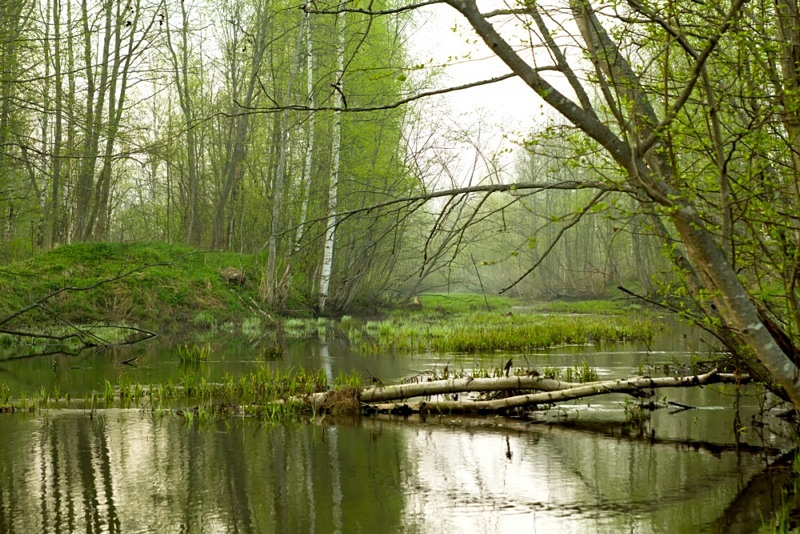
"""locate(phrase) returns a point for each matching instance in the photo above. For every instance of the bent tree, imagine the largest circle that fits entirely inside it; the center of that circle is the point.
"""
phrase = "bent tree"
(693, 111)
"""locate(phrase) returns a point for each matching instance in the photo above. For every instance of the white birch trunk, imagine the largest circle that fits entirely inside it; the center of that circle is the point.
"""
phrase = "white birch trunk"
(330, 233)
(308, 167)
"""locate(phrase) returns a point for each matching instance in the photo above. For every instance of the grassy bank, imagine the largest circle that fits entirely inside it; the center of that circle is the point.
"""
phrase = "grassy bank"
(485, 324)
(153, 284)
(167, 287)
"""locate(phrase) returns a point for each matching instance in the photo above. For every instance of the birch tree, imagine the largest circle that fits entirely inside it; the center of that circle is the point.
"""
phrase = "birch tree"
(686, 103)
(336, 145)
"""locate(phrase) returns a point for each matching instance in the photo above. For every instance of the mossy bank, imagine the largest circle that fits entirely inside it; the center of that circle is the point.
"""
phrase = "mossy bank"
(151, 285)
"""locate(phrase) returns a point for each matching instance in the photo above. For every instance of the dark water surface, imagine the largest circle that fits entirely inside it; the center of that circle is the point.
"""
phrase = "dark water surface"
(130, 471)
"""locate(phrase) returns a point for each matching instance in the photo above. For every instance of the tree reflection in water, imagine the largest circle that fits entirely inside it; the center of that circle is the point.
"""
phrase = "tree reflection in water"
(122, 471)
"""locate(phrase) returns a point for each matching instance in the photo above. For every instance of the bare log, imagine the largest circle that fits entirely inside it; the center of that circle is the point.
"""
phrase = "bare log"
(550, 391)
(630, 385)
(459, 385)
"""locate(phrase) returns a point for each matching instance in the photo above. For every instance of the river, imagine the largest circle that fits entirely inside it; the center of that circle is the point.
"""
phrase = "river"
(132, 471)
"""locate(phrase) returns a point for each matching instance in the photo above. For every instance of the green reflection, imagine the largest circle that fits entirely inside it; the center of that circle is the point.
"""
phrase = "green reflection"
(122, 472)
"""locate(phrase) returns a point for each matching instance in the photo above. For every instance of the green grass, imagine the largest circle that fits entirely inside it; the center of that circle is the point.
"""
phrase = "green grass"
(450, 303)
(264, 393)
(594, 307)
(172, 284)
(194, 353)
(461, 303)
(456, 323)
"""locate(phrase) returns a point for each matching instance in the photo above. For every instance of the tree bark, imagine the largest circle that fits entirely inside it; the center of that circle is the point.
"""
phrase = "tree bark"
(336, 147)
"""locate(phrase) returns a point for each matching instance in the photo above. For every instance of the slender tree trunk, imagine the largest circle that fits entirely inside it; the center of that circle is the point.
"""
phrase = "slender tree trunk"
(93, 119)
(14, 16)
(308, 166)
(330, 232)
(268, 288)
(66, 220)
(233, 172)
(116, 106)
(191, 219)
(55, 192)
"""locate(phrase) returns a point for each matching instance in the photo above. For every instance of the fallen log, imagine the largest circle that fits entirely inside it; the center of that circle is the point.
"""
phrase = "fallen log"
(572, 392)
(464, 385)
(549, 391)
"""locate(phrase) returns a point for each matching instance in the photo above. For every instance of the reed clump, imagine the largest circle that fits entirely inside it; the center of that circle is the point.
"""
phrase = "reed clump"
(271, 395)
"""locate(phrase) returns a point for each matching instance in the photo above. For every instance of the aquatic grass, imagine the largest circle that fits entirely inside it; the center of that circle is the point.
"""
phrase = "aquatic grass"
(252, 326)
(194, 353)
(482, 332)
(299, 328)
(581, 373)
(318, 328)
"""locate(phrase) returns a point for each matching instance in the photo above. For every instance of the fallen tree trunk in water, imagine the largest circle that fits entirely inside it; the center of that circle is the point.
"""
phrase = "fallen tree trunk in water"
(463, 385)
(569, 391)
(547, 391)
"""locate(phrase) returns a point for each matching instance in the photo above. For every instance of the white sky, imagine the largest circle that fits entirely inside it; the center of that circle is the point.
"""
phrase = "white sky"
(487, 112)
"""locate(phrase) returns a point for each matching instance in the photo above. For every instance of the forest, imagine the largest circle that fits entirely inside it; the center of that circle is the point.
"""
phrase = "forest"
(295, 183)
(668, 166)
(268, 128)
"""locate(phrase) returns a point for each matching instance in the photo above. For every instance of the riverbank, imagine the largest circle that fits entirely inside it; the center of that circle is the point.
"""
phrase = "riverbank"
(146, 285)
(168, 288)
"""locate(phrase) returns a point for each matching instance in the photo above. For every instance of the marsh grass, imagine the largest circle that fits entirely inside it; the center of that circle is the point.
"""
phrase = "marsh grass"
(265, 393)
(299, 328)
(487, 332)
(194, 353)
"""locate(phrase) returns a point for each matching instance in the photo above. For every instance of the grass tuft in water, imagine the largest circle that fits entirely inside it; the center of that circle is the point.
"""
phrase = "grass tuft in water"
(194, 353)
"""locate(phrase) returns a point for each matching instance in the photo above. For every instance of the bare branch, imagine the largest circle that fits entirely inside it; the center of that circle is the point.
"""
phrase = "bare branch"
(379, 12)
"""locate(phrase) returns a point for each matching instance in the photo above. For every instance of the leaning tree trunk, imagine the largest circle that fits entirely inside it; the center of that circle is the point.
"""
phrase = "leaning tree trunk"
(649, 174)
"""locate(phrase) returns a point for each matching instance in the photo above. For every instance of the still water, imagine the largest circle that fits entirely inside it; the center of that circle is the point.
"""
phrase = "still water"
(130, 471)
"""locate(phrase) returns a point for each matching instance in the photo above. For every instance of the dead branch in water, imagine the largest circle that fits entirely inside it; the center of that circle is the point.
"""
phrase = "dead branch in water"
(463, 385)
(569, 392)
(547, 391)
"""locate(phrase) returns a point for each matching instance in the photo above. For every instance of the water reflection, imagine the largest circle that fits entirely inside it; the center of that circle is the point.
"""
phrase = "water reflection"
(561, 480)
(120, 471)
(126, 471)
